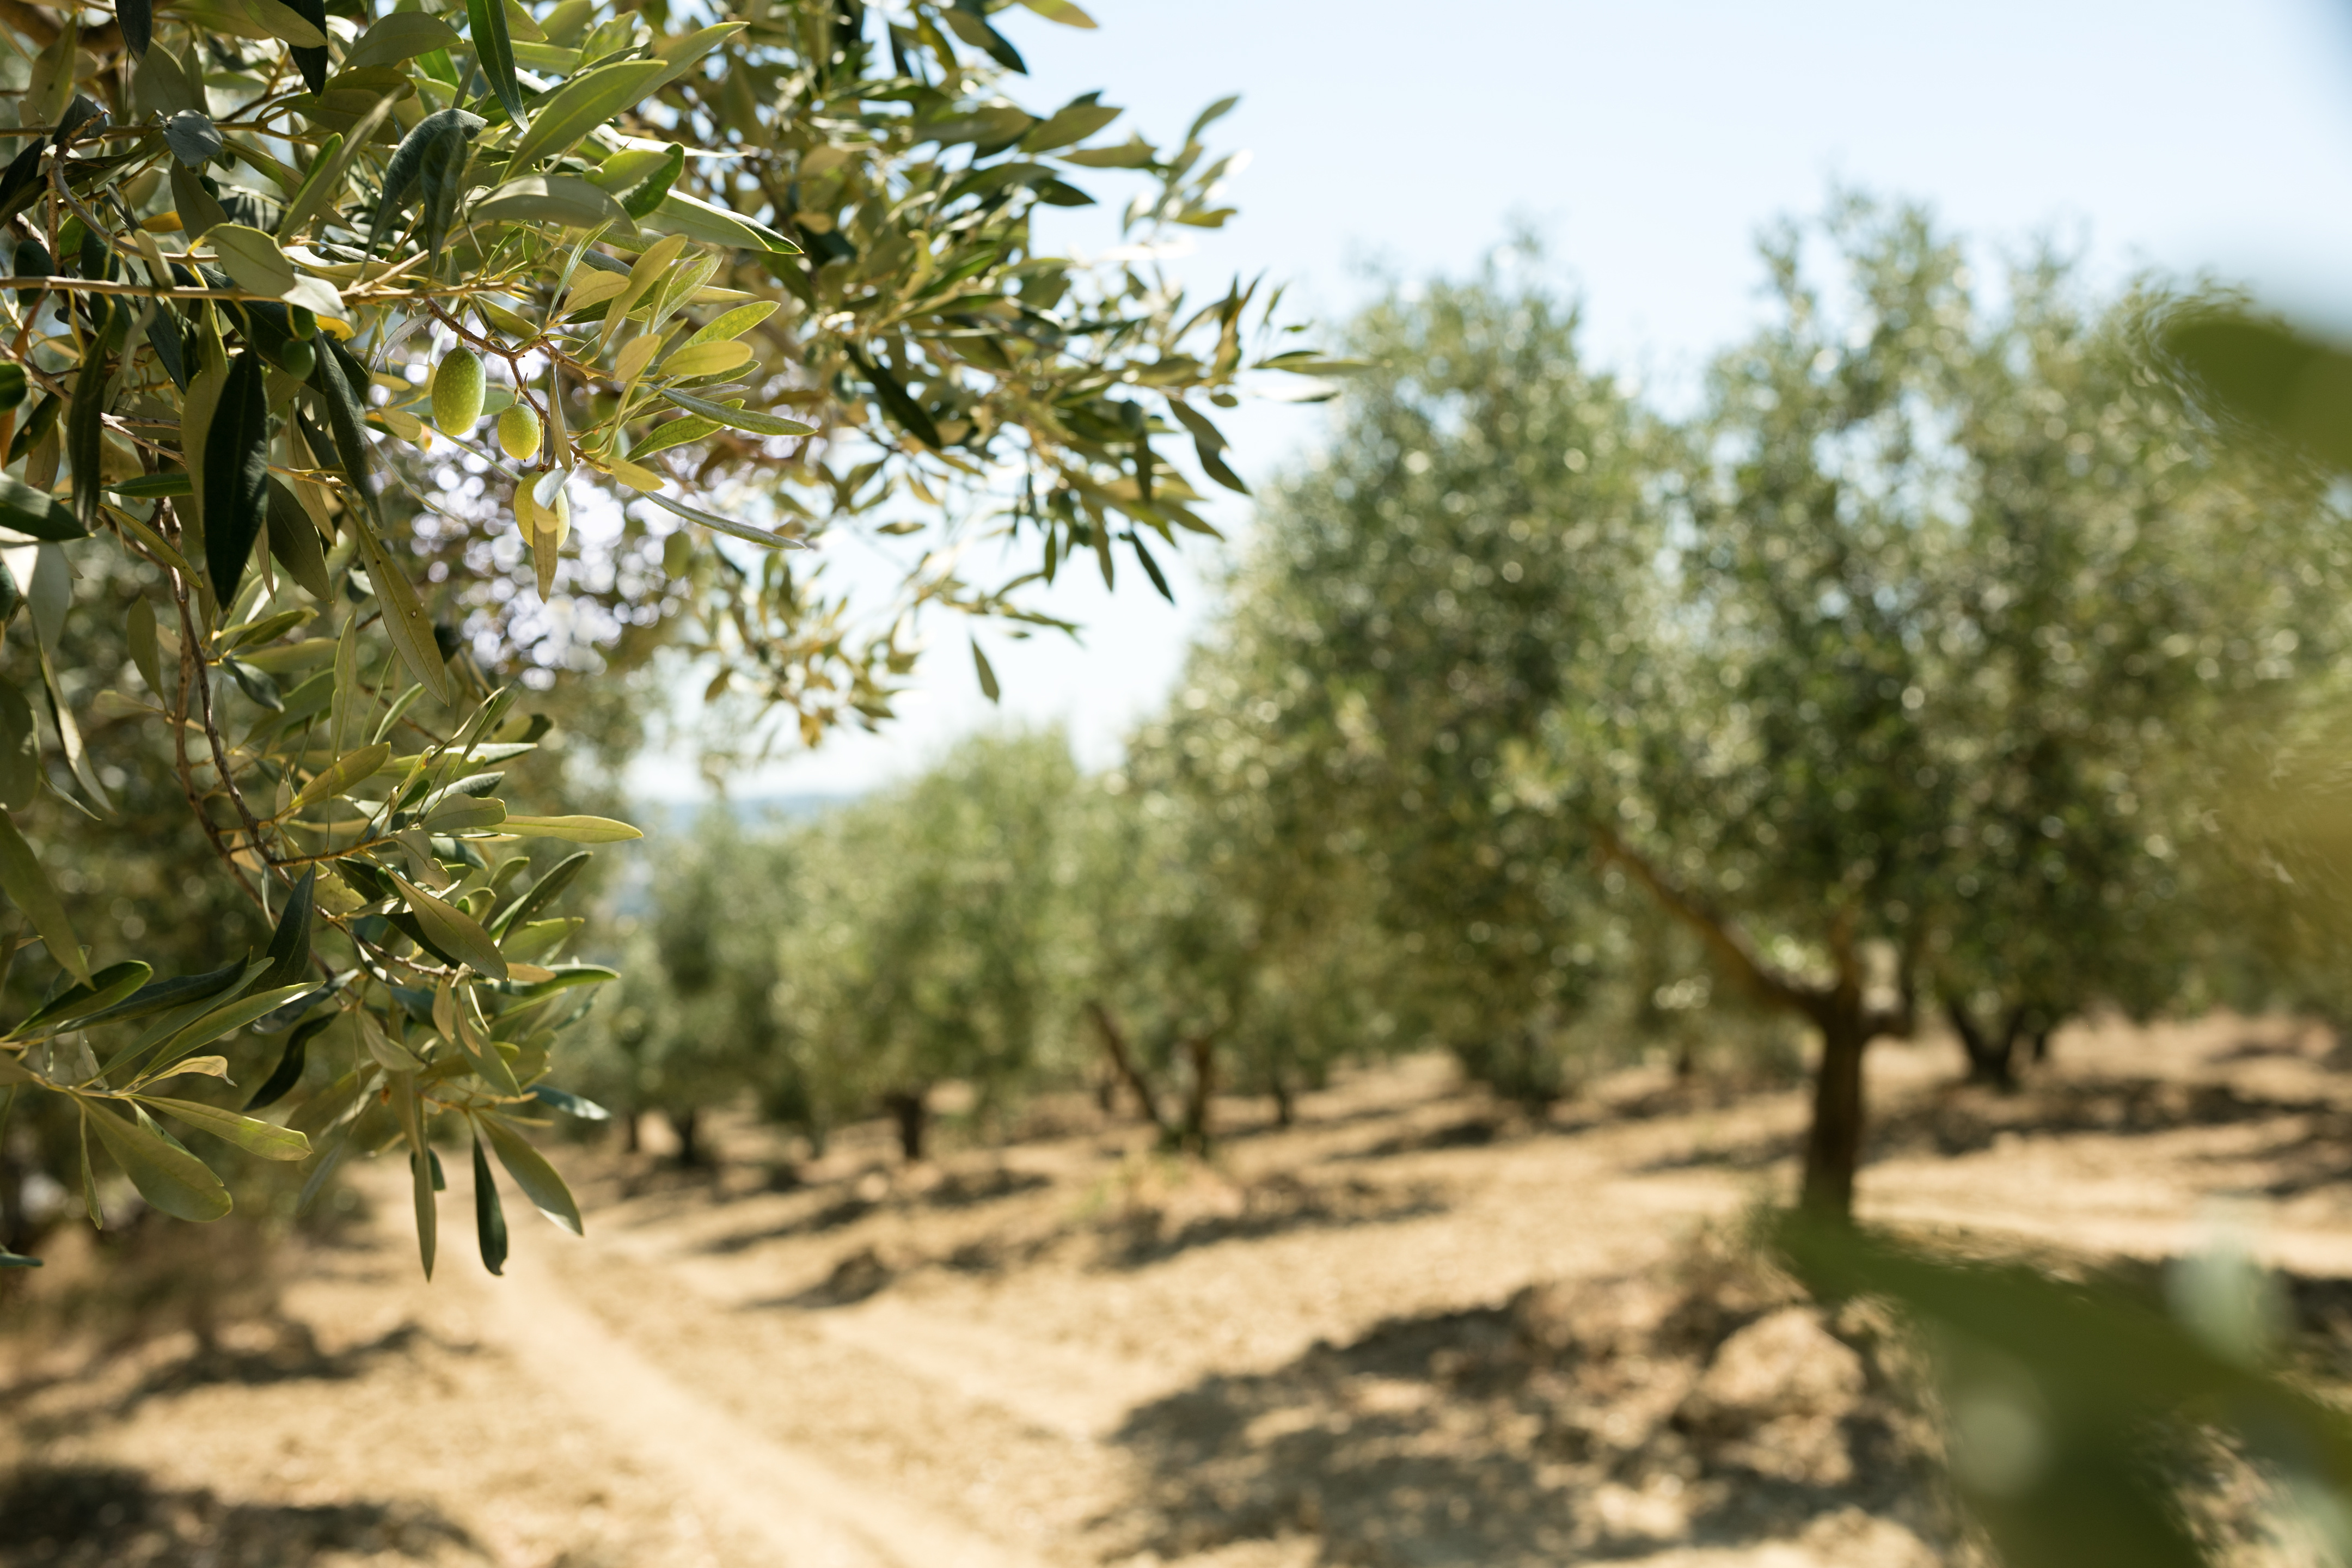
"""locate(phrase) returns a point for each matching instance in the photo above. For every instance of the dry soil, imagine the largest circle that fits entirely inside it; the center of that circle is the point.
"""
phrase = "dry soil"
(1417, 1328)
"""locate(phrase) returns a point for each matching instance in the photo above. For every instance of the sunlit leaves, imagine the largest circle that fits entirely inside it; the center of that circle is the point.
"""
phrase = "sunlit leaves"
(170, 1178)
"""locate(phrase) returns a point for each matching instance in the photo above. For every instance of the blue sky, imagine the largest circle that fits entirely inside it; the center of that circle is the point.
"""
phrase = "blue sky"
(1647, 143)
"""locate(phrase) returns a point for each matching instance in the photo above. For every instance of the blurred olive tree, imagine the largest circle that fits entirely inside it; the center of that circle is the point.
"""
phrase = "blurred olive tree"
(1958, 593)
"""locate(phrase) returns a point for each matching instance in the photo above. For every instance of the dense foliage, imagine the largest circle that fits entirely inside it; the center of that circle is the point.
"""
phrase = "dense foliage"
(279, 262)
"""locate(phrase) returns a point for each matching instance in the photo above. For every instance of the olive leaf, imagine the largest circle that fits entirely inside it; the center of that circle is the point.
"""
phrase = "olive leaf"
(533, 1174)
(169, 1178)
(237, 473)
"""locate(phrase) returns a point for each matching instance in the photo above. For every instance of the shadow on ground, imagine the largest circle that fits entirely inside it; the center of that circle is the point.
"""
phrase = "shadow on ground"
(103, 1517)
(957, 1190)
(1966, 1119)
(1145, 1234)
(292, 1356)
(1612, 1419)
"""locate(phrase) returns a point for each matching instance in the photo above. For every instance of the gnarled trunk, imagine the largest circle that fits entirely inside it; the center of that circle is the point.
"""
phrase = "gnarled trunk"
(1122, 1062)
(688, 1125)
(1991, 1056)
(1833, 1142)
(1193, 1136)
(911, 1109)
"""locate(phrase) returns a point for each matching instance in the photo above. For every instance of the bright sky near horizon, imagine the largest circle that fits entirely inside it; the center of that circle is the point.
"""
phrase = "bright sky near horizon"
(1647, 144)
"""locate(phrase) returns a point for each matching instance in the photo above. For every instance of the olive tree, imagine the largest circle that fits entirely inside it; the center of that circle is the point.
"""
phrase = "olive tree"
(927, 945)
(1414, 603)
(725, 289)
(1954, 585)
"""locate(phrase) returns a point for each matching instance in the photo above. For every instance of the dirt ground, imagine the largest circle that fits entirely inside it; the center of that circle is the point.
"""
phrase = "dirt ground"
(1416, 1329)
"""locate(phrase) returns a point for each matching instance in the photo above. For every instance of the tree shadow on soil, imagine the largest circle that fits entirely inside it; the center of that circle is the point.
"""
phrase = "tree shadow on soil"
(1484, 1438)
(1967, 1121)
(105, 1517)
(956, 1191)
(291, 1356)
(1278, 1205)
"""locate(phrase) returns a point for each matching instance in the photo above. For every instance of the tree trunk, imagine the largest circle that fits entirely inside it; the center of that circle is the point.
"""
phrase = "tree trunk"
(1833, 1142)
(1286, 1109)
(1203, 1051)
(632, 1139)
(688, 1125)
(13, 1237)
(2042, 1046)
(1123, 1063)
(1990, 1061)
(913, 1111)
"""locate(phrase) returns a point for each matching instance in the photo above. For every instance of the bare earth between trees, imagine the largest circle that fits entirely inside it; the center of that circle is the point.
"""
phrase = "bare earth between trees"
(1412, 1329)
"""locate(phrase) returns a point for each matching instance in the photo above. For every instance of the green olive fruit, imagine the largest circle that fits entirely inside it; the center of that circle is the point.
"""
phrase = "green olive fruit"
(519, 432)
(296, 358)
(678, 554)
(458, 390)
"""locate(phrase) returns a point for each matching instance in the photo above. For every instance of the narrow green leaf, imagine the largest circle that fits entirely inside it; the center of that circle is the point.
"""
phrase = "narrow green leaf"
(289, 944)
(107, 987)
(691, 218)
(533, 1174)
(24, 509)
(171, 482)
(290, 1063)
(1063, 11)
(294, 541)
(158, 995)
(170, 1179)
(442, 128)
(27, 883)
(452, 930)
(1208, 445)
(490, 1215)
(402, 35)
(281, 21)
(342, 773)
(563, 977)
(583, 104)
(570, 1104)
(249, 1133)
(485, 24)
(252, 259)
(681, 52)
(404, 620)
(327, 174)
(221, 1020)
(554, 198)
(740, 418)
(85, 433)
(20, 750)
(348, 694)
(237, 474)
(420, 1157)
(541, 893)
(571, 829)
(987, 676)
(726, 525)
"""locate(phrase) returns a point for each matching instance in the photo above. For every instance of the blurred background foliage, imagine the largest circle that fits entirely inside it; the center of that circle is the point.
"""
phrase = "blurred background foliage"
(1968, 660)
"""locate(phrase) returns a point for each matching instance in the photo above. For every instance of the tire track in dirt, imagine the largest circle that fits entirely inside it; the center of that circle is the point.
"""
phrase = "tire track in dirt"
(808, 1513)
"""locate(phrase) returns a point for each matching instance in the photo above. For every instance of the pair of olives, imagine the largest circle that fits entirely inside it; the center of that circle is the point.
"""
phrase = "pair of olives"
(458, 389)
